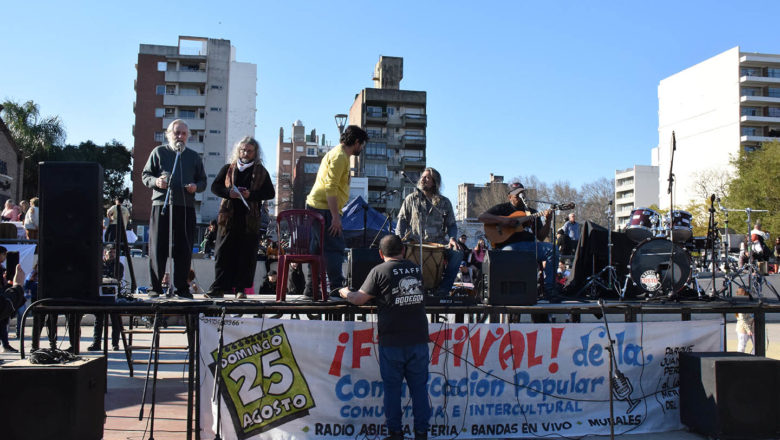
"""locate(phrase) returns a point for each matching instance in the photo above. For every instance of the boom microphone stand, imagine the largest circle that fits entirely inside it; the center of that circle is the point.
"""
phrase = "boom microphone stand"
(672, 294)
(611, 283)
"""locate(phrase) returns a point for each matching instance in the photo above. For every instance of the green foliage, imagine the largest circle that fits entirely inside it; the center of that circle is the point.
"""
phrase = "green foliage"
(40, 140)
(756, 186)
(36, 136)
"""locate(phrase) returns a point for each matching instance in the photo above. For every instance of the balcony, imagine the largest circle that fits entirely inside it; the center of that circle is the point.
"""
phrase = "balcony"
(376, 116)
(413, 119)
(185, 100)
(758, 100)
(393, 163)
(413, 141)
(413, 162)
(753, 138)
(185, 76)
(758, 80)
(377, 181)
(760, 119)
(197, 146)
(194, 124)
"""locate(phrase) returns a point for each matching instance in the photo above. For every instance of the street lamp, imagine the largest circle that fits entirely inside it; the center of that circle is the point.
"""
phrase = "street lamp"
(341, 122)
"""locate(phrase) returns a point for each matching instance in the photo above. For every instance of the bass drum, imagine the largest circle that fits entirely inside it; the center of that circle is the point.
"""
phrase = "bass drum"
(650, 268)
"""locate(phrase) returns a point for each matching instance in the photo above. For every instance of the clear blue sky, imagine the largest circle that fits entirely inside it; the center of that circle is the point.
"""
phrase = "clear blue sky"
(565, 90)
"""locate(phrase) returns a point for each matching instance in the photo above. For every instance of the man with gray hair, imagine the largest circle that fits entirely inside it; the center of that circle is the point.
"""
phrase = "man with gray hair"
(427, 207)
(188, 178)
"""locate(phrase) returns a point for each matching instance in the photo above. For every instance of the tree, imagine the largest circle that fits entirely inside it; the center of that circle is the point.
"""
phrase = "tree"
(36, 136)
(756, 187)
(114, 158)
(594, 198)
(711, 181)
(492, 194)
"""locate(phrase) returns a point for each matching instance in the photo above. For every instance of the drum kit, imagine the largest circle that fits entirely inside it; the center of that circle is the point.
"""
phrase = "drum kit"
(660, 261)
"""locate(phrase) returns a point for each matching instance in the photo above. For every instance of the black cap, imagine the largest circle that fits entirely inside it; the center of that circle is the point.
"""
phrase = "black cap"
(516, 188)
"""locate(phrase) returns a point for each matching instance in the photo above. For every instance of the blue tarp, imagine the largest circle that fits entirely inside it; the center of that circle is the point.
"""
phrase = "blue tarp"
(352, 223)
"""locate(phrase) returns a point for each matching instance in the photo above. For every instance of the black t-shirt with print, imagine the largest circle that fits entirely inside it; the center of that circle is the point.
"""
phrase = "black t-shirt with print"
(398, 289)
(505, 209)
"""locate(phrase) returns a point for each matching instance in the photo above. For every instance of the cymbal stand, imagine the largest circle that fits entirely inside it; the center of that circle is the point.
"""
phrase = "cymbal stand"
(611, 283)
(756, 281)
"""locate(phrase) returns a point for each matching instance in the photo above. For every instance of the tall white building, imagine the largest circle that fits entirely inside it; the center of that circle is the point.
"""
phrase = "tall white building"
(200, 81)
(717, 107)
(634, 188)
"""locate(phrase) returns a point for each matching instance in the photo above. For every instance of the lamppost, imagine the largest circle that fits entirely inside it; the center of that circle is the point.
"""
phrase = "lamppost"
(341, 122)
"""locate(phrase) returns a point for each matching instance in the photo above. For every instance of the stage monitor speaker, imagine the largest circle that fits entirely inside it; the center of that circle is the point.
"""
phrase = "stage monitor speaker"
(510, 278)
(730, 395)
(62, 401)
(361, 261)
(70, 238)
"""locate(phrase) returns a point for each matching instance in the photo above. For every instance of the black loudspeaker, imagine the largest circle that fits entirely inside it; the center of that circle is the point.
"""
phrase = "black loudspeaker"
(62, 401)
(730, 395)
(70, 238)
(510, 278)
(361, 261)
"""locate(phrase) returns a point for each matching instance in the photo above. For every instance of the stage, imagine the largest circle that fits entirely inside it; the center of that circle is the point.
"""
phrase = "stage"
(616, 312)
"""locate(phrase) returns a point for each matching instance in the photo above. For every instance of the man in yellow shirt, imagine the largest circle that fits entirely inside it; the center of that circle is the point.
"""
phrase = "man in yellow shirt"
(329, 195)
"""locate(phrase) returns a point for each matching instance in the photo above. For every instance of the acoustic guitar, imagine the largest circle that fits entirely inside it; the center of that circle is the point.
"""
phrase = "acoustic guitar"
(498, 234)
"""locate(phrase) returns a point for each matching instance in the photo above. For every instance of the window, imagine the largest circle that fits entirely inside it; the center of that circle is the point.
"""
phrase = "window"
(311, 168)
(159, 136)
(211, 198)
(374, 111)
(773, 72)
(170, 112)
(159, 90)
(286, 149)
(216, 87)
(750, 111)
(311, 151)
(159, 112)
(212, 175)
(374, 132)
(170, 89)
(187, 114)
(390, 111)
(413, 153)
(774, 92)
(189, 91)
(213, 153)
(749, 71)
(215, 131)
(216, 109)
(751, 131)
(286, 162)
(376, 149)
(285, 175)
(751, 91)
(162, 66)
(299, 148)
(773, 112)
(376, 170)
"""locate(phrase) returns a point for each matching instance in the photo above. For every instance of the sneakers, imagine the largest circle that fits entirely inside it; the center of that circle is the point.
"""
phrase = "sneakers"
(241, 295)
(183, 294)
(95, 347)
(153, 293)
(9, 349)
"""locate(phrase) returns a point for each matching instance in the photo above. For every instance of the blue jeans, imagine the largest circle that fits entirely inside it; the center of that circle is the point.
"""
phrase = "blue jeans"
(454, 258)
(544, 252)
(395, 364)
(333, 248)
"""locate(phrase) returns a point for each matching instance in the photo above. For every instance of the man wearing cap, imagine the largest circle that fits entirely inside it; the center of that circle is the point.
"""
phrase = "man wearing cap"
(529, 233)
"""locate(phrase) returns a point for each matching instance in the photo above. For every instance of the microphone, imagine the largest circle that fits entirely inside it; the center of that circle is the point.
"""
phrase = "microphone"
(403, 173)
(712, 198)
(179, 146)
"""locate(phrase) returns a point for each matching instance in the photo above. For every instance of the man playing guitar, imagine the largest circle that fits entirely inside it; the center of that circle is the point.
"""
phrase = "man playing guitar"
(514, 226)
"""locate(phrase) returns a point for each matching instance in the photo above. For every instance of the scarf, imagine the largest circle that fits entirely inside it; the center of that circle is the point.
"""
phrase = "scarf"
(226, 210)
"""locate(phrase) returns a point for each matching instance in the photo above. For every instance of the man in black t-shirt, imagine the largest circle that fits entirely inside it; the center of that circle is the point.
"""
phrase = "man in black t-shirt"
(529, 233)
(397, 287)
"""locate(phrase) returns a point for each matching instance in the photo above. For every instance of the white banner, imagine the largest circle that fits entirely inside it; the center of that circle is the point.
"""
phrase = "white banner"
(291, 379)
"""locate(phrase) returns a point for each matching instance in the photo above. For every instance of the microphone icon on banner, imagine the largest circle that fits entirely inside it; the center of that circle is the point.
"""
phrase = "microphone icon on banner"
(622, 389)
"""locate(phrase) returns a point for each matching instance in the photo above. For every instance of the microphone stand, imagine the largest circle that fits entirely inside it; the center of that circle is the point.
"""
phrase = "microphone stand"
(218, 373)
(169, 203)
(672, 294)
(711, 233)
(382, 197)
(553, 232)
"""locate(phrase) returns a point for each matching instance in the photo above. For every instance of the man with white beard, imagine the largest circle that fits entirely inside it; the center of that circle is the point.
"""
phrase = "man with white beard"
(188, 178)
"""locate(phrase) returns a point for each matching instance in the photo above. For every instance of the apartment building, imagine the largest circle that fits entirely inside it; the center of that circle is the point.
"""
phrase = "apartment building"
(716, 108)
(288, 153)
(634, 188)
(200, 81)
(396, 122)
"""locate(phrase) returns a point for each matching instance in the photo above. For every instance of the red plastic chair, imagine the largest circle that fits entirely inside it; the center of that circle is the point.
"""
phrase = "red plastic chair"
(295, 238)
